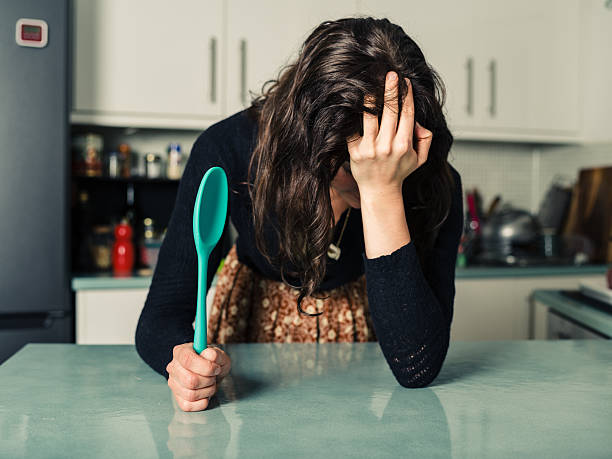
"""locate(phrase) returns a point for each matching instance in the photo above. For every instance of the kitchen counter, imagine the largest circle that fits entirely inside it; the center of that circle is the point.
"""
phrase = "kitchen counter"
(595, 317)
(491, 399)
(106, 281)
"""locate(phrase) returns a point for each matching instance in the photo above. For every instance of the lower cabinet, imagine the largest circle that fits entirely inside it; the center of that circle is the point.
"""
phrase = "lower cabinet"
(500, 308)
(108, 316)
(486, 309)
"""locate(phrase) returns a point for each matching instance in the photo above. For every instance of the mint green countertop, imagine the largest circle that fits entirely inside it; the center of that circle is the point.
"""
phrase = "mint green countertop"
(470, 272)
(105, 281)
(598, 320)
(540, 399)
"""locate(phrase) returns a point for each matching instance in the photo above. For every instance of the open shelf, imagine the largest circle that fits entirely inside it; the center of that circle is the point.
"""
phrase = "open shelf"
(134, 179)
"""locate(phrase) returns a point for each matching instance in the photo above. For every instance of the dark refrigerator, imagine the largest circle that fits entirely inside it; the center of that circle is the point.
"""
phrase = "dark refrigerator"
(35, 296)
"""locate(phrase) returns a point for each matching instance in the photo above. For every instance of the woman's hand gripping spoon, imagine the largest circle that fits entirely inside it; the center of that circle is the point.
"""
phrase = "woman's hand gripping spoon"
(209, 216)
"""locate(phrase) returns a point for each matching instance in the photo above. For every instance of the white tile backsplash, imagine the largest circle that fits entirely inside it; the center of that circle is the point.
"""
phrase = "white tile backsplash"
(567, 161)
(522, 173)
(495, 168)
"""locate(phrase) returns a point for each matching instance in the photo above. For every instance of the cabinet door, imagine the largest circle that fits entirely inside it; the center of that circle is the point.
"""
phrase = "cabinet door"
(265, 35)
(448, 43)
(485, 310)
(501, 308)
(108, 316)
(528, 61)
(147, 58)
(511, 69)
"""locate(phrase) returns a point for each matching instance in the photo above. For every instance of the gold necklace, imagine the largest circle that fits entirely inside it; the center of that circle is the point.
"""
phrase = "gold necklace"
(334, 251)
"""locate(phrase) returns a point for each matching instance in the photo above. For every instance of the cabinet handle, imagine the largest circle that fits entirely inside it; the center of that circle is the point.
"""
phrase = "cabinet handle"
(213, 70)
(243, 70)
(469, 66)
(493, 75)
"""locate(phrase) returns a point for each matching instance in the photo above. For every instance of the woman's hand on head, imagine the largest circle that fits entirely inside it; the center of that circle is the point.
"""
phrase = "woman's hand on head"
(383, 157)
(193, 378)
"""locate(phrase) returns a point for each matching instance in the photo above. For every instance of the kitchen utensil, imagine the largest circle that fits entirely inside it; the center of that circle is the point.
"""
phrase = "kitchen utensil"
(554, 206)
(474, 217)
(478, 202)
(493, 206)
(209, 216)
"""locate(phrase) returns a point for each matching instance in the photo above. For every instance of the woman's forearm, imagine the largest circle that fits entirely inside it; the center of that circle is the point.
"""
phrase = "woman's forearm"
(384, 222)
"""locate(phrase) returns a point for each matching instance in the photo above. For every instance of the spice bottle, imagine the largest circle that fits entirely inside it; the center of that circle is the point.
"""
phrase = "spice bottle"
(174, 171)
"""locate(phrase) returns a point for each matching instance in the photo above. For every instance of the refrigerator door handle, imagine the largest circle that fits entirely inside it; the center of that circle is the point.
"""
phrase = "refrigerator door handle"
(18, 321)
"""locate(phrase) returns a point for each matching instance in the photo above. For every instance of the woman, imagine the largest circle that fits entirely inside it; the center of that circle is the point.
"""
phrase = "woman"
(348, 213)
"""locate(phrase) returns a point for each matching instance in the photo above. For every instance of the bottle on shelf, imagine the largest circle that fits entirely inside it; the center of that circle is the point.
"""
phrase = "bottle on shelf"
(101, 245)
(125, 154)
(82, 236)
(129, 212)
(148, 245)
(123, 250)
(174, 170)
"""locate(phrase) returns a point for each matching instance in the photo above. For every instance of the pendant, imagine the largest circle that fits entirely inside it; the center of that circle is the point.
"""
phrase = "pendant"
(334, 251)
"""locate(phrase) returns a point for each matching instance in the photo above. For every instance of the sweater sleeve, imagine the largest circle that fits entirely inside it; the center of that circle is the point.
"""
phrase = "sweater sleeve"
(412, 306)
(169, 310)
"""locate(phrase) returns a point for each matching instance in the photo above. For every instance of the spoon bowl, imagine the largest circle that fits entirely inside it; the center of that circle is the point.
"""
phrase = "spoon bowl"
(209, 215)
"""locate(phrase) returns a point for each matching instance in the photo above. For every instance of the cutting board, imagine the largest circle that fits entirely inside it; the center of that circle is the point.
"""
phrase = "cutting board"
(590, 212)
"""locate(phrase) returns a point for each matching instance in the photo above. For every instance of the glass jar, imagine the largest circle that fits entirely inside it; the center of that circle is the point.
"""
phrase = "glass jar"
(87, 154)
(101, 246)
(153, 165)
(113, 164)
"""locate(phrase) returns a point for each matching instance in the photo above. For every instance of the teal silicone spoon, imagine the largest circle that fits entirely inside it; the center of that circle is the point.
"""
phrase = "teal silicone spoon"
(209, 215)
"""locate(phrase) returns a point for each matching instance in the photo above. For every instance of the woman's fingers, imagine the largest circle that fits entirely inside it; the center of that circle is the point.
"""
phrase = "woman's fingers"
(189, 379)
(370, 122)
(214, 354)
(218, 356)
(388, 123)
(406, 123)
(423, 141)
(190, 395)
(194, 362)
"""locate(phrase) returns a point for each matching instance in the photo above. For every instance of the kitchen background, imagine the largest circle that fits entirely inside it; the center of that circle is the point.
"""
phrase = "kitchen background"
(528, 100)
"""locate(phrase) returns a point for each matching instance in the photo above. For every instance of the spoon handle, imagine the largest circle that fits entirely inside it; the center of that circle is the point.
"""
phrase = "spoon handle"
(199, 336)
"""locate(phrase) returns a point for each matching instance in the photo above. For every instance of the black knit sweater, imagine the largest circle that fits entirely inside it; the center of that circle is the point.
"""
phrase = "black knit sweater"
(411, 307)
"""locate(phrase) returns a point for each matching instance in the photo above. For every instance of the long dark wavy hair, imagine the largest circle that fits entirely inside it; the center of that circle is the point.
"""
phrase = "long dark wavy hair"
(304, 119)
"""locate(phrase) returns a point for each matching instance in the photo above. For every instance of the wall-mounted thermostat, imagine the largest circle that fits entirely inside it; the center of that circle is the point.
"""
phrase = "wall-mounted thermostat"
(31, 32)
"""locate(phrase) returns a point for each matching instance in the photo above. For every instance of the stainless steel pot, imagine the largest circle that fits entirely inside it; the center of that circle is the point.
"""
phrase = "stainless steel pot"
(509, 227)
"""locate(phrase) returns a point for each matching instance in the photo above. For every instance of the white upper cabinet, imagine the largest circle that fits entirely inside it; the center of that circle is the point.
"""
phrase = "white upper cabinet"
(264, 36)
(147, 62)
(511, 69)
(529, 58)
(514, 71)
